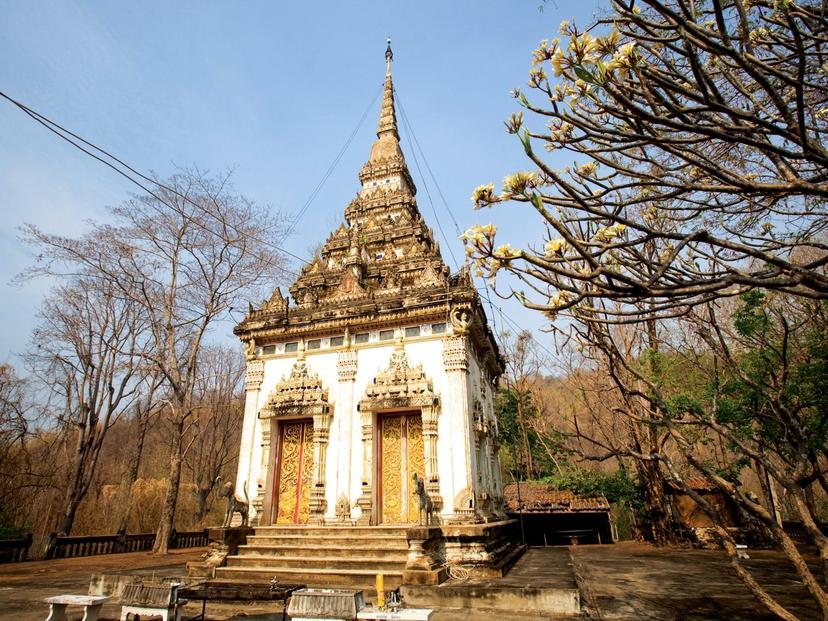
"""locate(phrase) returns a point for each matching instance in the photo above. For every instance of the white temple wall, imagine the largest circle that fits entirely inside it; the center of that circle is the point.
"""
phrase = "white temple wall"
(457, 391)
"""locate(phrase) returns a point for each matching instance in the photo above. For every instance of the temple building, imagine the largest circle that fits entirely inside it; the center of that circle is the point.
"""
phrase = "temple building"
(379, 366)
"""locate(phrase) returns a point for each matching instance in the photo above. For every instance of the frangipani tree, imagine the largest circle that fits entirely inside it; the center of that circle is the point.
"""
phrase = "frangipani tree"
(696, 131)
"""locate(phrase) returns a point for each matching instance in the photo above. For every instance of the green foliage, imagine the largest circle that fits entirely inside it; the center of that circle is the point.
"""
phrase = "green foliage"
(511, 436)
(751, 319)
(8, 529)
(780, 370)
(616, 486)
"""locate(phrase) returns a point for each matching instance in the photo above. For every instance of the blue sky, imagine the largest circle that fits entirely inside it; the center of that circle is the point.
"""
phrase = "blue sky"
(269, 89)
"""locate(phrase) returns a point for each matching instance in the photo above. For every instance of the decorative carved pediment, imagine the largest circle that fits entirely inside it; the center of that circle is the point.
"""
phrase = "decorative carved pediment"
(299, 394)
(430, 277)
(277, 301)
(399, 386)
(349, 286)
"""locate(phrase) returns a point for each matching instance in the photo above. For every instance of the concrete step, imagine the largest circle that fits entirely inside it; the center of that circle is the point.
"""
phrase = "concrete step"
(296, 539)
(391, 563)
(331, 531)
(315, 551)
(354, 578)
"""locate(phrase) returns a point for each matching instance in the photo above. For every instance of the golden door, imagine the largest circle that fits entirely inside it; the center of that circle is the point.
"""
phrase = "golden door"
(295, 471)
(401, 455)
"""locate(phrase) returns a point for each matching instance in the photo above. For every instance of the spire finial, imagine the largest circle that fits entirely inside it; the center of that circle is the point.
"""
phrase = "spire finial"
(388, 119)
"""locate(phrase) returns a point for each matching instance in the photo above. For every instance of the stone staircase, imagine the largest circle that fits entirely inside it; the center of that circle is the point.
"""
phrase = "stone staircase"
(343, 556)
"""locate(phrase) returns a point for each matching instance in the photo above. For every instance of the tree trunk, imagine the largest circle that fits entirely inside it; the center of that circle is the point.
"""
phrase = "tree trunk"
(201, 494)
(165, 527)
(658, 514)
(69, 513)
(132, 474)
(74, 490)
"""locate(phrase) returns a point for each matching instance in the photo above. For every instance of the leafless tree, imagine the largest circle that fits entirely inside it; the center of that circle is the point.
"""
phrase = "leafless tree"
(14, 432)
(213, 434)
(697, 135)
(188, 254)
(87, 350)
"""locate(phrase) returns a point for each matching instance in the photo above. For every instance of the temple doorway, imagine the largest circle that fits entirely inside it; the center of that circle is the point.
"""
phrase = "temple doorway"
(401, 455)
(295, 471)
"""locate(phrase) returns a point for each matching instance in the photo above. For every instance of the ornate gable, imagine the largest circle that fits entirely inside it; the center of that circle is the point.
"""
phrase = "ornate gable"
(399, 386)
(299, 394)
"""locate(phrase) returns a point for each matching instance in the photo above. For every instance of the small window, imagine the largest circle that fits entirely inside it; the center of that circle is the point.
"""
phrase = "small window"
(289, 347)
(438, 328)
(315, 344)
(362, 337)
(337, 341)
(412, 331)
(386, 335)
(379, 256)
(268, 350)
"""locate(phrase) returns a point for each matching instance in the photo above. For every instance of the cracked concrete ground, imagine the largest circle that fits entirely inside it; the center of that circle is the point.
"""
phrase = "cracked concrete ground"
(637, 581)
(629, 581)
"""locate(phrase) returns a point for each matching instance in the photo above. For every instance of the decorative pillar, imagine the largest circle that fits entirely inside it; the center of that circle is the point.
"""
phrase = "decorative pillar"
(432, 475)
(456, 362)
(261, 485)
(346, 367)
(246, 474)
(318, 504)
(366, 498)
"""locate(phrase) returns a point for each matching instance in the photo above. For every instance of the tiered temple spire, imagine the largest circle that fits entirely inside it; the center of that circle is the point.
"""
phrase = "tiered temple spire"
(384, 247)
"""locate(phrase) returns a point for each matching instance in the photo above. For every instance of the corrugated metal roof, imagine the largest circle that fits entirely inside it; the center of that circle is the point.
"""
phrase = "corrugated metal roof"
(544, 498)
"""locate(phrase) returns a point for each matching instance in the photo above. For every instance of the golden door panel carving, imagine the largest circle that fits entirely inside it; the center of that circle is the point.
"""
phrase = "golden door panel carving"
(402, 455)
(295, 472)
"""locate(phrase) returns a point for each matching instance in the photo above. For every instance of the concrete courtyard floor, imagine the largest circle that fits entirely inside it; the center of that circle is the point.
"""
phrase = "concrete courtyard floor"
(628, 581)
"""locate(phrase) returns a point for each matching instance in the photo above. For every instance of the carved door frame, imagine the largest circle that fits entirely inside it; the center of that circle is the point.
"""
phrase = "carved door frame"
(378, 446)
(276, 471)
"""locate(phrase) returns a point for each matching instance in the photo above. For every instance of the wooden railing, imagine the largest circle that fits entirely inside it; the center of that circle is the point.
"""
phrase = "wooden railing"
(188, 539)
(15, 550)
(89, 545)
(796, 531)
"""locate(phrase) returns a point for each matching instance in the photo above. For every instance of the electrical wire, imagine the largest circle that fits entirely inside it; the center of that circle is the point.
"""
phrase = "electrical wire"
(407, 128)
(332, 166)
(68, 136)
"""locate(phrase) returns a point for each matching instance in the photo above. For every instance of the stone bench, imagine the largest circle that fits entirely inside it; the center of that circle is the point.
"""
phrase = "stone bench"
(141, 600)
(91, 606)
(218, 590)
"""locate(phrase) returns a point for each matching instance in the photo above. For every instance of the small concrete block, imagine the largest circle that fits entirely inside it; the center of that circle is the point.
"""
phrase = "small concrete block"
(403, 614)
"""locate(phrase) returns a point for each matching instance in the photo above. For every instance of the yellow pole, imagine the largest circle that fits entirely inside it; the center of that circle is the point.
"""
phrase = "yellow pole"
(380, 591)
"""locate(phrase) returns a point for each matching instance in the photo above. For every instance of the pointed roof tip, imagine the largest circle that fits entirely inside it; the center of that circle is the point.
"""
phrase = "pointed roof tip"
(388, 116)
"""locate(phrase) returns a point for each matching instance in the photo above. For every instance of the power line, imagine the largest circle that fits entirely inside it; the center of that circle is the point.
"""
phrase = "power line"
(428, 167)
(68, 136)
(332, 166)
(519, 328)
(416, 143)
(409, 132)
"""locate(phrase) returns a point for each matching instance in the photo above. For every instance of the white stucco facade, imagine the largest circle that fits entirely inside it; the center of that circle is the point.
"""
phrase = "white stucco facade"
(466, 441)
